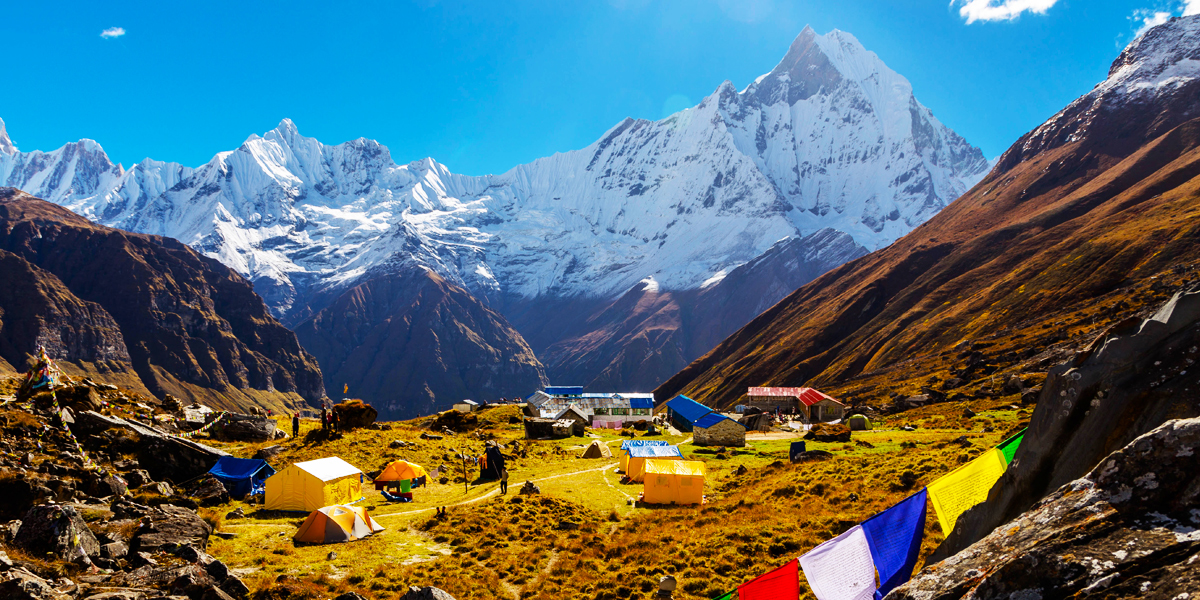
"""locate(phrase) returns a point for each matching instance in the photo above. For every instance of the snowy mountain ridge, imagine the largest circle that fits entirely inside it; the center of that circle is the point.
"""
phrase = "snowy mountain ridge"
(829, 139)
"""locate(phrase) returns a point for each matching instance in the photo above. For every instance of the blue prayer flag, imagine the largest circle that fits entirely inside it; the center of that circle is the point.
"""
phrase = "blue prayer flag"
(894, 536)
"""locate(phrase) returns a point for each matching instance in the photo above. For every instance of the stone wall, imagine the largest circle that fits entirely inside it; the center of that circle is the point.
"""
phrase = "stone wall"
(770, 403)
(726, 433)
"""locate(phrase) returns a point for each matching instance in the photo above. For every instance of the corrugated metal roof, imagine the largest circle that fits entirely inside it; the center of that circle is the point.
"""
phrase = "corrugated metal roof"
(565, 390)
(688, 408)
(675, 467)
(638, 443)
(808, 396)
(811, 397)
(712, 419)
(776, 391)
(654, 451)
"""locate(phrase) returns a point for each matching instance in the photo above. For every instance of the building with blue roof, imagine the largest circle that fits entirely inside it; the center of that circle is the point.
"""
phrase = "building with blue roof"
(683, 411)
(716, 429)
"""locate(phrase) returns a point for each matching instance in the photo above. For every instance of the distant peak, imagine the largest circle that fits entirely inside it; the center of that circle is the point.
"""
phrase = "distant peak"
(6, 145)
(287, 127)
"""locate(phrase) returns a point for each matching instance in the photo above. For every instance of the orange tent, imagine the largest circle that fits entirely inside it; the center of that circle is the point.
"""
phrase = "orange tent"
(337, 523)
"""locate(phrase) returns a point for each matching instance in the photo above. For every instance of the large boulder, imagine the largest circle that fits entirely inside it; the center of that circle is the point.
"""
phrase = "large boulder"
(828, 432)
(353, 414)
(176, 459)
(58, 529)
(169, 528)
(1128, 529)
(211, 492)
(425, 593)
(20, 584)
(243, 428)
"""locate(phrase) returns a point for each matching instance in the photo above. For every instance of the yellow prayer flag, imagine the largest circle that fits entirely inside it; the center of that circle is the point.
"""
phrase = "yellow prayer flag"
(345, 388)
(952, 494)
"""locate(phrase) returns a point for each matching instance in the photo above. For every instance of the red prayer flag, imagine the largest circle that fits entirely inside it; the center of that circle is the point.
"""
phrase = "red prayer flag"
(781, 584)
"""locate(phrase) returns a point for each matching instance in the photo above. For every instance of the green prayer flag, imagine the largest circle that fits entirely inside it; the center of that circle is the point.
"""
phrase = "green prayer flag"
(727, 596)
(1009, 447)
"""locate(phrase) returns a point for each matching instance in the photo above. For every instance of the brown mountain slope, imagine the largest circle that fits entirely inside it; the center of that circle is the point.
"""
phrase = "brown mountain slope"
(188, 325)
(413, 344)
(637, 341)
(1077, 214)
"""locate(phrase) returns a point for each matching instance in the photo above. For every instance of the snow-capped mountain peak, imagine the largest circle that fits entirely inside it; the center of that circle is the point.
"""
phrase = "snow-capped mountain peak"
(829, 139)
(6, 145)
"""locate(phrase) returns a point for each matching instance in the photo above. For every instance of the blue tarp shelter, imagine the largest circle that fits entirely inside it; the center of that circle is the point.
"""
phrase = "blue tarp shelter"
(641, 403)
(627, 444)
(684, 411)
(241, 476)
(713, 418)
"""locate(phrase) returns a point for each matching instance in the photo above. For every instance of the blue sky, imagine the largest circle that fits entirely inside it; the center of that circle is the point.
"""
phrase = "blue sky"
(484, 86)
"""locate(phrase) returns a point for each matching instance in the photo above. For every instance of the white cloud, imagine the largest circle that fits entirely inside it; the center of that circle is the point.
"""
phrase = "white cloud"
(1005, 10)
(1144, 19)
(112, 32)
(1191, 7)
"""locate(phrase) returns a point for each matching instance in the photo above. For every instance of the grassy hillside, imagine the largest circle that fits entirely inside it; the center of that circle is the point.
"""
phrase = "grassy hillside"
(582, 537)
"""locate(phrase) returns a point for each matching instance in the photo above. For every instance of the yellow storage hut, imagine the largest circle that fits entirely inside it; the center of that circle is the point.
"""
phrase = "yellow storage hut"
(673, 482)
(314, 484)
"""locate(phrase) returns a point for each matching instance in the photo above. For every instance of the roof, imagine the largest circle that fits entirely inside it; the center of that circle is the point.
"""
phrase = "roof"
(328, 469)
(570, 409)
(239, 468)
(641, 402)
(808, 396)
(565, 390)
(712, 419)
(654, 451)
(467, 402)
(688, 408)
(675, 467)
(636, 443)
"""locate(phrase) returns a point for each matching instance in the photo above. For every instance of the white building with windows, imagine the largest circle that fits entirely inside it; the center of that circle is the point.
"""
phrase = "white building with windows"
(611, 410)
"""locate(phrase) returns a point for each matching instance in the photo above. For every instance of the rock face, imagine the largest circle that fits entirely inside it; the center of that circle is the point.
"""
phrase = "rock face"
(178, 322)
(58, 529)
(1126, 384)
(172, 527)
(1086, 188)
(826, 432)
(417, 343)
(1127, 529)
(831, 139)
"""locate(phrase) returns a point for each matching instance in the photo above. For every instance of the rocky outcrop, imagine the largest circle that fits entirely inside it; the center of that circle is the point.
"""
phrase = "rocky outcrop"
(180, 323)
(57, 529)
(1129, 528)
(1128, 382)
(416, 343)
(239, 427)
(425, 593)
(354, 414)
(170, 528)
(164, 456)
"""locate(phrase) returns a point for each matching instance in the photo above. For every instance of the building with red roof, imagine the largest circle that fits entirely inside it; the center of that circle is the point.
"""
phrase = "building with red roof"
(814, 405)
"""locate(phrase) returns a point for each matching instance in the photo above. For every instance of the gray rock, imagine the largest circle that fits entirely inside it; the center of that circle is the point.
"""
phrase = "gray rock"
(136, 478)
(6, 563)
(161, 488)
(234, 426)
(425, 593)
(114, 550)
(23, 585)
(59, 529)
(211, 492)
(236, 513)
(268, 453)
(1124, 530)
(172, 527)
(234, 586)
(122, 594)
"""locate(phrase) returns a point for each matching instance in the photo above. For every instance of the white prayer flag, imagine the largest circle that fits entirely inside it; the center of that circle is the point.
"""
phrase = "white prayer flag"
(841, 569)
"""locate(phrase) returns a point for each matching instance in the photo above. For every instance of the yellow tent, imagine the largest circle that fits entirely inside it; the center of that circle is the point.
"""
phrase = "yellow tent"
(333, 524)
(635, 465)
(673, 482)
(597, 449)
(310, 485)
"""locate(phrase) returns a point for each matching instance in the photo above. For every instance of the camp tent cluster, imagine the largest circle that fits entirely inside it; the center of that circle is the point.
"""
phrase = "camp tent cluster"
(666, 477)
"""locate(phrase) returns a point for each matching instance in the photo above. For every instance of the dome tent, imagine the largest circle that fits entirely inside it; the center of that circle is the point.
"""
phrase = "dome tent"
(596, 449)
(334, 524)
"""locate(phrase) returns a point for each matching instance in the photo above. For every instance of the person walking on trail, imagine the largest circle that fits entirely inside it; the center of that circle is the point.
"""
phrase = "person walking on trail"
(295, 425)
(324, 418)
(335, 421)
(504, 481)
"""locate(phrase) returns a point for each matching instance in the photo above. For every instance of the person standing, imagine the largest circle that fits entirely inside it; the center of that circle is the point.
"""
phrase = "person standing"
(335, 421)
(295, 425)
(504, 481)
(324, 418)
